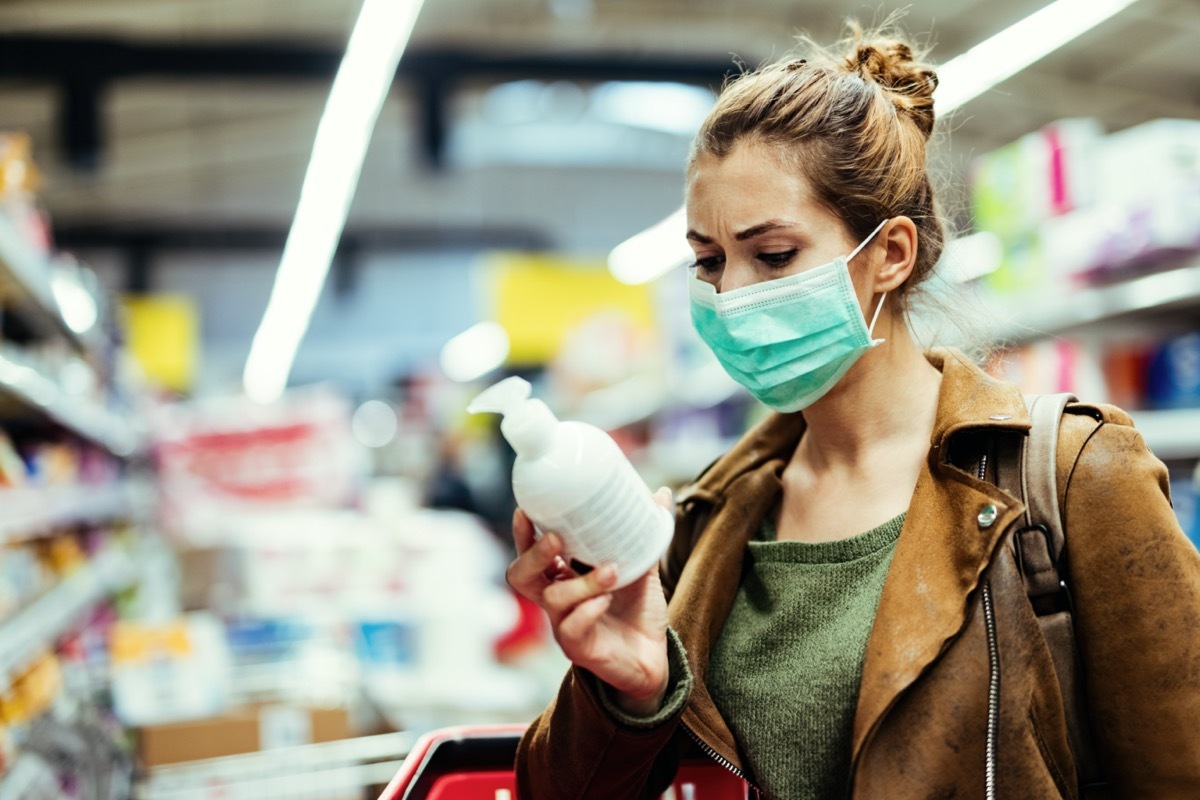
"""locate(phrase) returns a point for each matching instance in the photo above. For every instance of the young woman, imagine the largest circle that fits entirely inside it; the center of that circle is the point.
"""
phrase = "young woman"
(845, 617)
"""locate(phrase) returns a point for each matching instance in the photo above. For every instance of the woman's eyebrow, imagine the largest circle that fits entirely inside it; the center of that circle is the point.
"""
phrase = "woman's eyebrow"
(741, 236)
(761, 228)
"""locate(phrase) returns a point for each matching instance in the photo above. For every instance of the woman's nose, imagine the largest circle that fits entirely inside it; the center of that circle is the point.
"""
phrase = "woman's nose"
(735, 276)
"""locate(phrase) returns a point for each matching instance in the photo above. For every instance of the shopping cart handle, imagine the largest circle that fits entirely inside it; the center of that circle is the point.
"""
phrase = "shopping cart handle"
(442, 754)
(476, 763)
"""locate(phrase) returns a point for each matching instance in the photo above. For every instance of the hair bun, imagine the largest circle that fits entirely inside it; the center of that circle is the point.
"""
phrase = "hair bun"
(891, 63)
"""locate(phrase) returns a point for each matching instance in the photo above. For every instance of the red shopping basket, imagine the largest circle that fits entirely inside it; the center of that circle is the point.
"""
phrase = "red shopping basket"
(475, 763)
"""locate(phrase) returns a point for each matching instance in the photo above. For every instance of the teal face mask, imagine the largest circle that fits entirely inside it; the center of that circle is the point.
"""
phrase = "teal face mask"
(787, 340)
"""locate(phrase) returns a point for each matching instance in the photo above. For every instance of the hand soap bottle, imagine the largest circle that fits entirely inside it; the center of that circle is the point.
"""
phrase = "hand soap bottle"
(572, 478)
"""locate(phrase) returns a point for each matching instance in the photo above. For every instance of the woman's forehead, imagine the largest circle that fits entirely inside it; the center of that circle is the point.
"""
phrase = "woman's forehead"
(745, 187)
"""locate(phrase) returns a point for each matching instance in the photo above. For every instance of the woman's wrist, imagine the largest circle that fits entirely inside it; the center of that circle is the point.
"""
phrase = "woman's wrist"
(641, 706)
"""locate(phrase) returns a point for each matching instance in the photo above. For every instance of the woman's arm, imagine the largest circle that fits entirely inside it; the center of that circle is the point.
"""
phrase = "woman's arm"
(1136, 584)
(577, 748)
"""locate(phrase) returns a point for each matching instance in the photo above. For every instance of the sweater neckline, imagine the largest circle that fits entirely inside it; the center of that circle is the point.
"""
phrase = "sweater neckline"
(765, 547)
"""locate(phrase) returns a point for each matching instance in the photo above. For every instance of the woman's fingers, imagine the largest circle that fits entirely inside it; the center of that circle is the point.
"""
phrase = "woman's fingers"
(665, 498)
(583, 618)
(561, 597)
(523, 534)
(530, 572)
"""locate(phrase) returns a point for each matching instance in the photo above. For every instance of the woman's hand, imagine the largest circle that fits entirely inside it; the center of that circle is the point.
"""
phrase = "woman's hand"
(620, 636)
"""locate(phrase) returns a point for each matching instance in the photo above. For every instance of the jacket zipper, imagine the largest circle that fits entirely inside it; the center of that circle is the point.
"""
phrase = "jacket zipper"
(720, 759)
(993, 721)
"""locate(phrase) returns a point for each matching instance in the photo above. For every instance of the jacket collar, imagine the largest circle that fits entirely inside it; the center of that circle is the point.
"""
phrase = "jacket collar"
(941, 553)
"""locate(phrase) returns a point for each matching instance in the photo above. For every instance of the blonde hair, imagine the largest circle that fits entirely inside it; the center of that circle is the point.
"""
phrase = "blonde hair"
(856, 124)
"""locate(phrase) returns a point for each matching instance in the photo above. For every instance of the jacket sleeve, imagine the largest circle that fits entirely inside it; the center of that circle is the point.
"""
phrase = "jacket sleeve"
(1136, 584)
(582, 748)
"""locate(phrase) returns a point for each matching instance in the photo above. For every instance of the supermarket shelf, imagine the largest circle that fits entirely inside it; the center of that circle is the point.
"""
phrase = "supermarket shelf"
(252, 767)
(30, 778)
(1051, 313)
(30, 512)
(1172, 434)
(23, 381)
(27, 277)
(326, 784)
(34, 629)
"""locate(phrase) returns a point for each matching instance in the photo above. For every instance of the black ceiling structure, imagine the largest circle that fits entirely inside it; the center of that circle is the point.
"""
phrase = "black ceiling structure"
(83, 67)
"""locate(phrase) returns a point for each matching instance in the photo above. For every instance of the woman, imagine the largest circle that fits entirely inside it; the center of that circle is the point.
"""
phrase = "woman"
(826, 634)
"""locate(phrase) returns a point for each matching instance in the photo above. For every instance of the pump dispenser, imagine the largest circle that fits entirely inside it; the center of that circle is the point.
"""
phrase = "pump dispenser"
(573, 479)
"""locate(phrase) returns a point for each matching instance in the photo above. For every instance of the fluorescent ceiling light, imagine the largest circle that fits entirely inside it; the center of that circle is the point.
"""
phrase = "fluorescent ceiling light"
(653, 252)
(1013, 49)
(475, 352)
(359, 89)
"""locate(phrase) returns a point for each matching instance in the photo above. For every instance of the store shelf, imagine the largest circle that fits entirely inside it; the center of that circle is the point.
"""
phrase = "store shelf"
(1172, 434)
(30, 778)
(336, 783)
(34, 629)
(1051, 313)
(27, 277)
(21, 379)
(30, 512)
(255, 768)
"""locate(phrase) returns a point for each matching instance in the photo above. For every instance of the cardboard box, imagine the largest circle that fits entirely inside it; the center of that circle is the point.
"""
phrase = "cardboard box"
(246, 730)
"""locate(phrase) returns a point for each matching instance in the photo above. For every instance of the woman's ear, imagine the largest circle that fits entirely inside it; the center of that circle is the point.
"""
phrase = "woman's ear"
(899, 238)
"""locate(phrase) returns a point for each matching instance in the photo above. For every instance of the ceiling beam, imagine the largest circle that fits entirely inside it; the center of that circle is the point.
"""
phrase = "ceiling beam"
(153, 238)
(84, 67)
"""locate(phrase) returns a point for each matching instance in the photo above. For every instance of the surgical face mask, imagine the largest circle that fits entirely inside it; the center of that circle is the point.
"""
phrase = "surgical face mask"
(787, 340)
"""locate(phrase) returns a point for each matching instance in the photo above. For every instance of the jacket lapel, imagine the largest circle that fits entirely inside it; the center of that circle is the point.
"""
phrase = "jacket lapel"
(944, 547)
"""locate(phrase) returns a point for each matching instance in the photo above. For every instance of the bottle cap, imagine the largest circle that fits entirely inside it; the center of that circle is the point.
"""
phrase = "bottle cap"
(528, 424)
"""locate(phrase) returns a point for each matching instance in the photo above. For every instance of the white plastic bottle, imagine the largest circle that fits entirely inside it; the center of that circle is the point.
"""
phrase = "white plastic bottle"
(572, 478)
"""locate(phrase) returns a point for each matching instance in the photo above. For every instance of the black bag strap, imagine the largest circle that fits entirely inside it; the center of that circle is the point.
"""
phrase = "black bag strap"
(1041, 548)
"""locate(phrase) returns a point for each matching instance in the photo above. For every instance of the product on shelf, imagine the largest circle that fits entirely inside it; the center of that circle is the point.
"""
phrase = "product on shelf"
(1073, 207)
(19, 182)
(1173, 374)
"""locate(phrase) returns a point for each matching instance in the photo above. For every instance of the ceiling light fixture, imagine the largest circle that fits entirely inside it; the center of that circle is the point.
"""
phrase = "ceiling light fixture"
(651, 253)
(359, 89)
(641, 258)
(475, 352)
(999, 57)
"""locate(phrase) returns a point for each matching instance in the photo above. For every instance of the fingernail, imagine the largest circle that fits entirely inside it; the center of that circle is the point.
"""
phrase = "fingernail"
(552, 540)
(608, 575)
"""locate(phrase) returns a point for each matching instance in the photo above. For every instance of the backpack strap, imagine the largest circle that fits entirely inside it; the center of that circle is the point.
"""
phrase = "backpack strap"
(1041, 540)
(1041, 547)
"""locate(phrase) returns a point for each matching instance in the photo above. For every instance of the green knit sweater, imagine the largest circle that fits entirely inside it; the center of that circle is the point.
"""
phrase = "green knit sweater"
(785, 671)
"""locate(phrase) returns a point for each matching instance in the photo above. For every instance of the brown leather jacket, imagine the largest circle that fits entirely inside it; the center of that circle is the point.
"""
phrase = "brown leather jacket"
(920, 726)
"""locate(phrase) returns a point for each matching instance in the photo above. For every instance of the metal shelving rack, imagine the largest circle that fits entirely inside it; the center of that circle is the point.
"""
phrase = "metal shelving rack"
(1171, 434)
(36, 628)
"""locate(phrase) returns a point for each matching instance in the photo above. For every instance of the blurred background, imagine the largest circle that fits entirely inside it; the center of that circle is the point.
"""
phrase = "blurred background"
(251, 544)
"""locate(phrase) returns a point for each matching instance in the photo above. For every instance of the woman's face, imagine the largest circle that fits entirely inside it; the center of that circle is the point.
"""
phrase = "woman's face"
(750, 220)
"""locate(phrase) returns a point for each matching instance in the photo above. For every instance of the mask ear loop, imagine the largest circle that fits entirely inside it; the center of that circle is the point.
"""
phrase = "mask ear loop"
(878, 308)
(874, 319)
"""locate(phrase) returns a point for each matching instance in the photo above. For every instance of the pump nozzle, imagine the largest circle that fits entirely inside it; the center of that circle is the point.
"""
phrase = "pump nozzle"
(528, 423)
(501, 398)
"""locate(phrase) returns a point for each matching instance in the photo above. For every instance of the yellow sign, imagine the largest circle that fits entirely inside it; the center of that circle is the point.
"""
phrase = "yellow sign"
(538, 299)
(135, 642)
(163, 334)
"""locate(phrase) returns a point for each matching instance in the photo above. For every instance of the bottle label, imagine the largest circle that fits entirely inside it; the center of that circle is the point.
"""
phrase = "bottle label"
(616, 525)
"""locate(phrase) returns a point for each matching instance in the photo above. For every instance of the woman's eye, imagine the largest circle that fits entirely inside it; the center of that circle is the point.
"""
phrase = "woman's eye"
(709, 264)
(777, 259)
